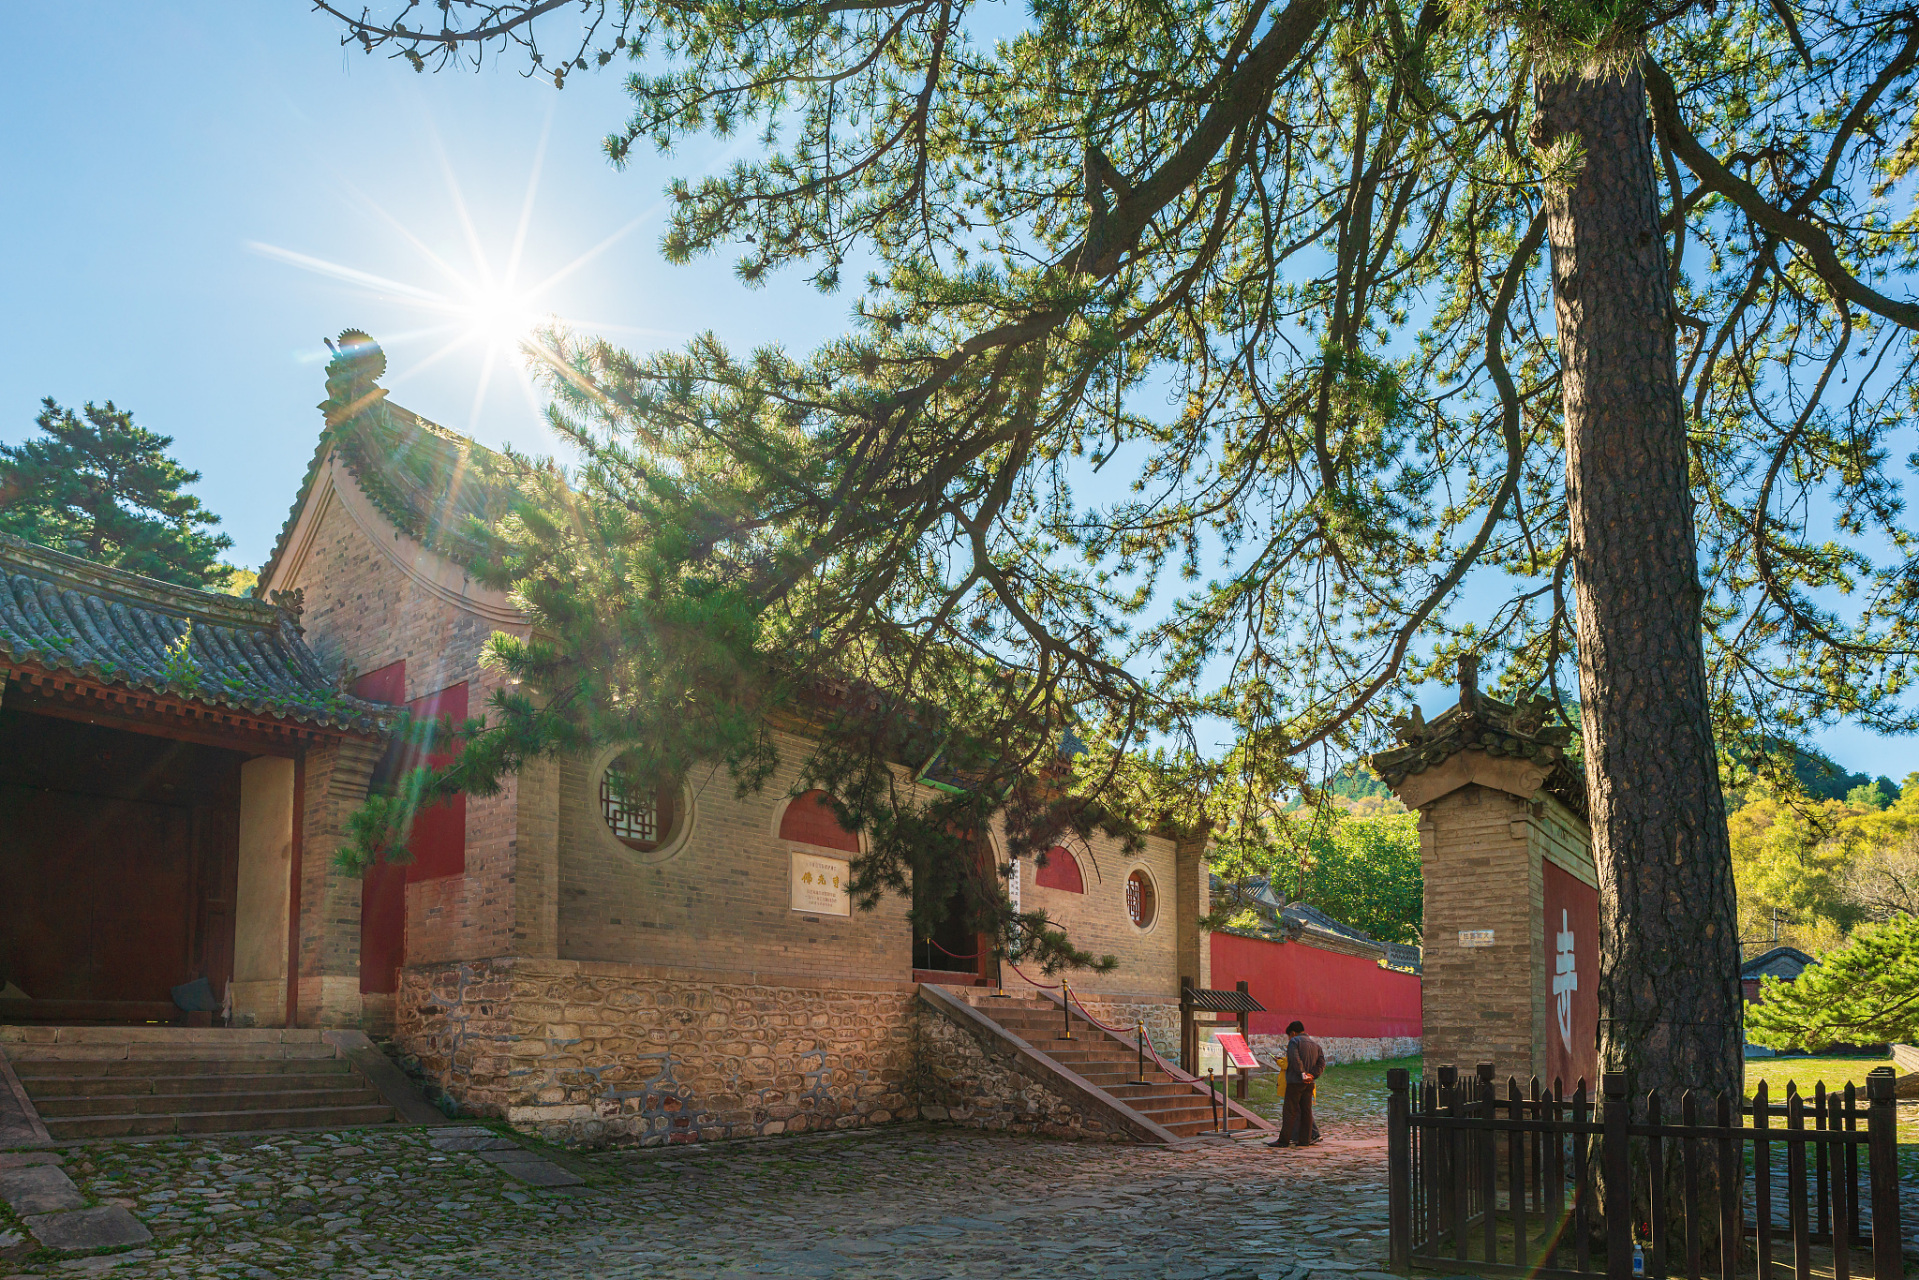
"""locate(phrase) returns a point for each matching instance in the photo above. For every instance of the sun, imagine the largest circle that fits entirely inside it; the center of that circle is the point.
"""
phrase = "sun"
(499, 317)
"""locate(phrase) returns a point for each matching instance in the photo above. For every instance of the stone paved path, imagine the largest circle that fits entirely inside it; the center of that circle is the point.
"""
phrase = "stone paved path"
(911, 1201)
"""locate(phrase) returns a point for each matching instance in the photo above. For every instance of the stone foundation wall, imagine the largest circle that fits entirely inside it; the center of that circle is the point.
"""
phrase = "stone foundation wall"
(591, 1053)
(962, 1080)
(1161, 1019)
(1340, 1049)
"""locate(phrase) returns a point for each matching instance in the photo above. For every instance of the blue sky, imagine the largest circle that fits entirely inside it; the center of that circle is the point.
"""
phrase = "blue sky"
(199, 192)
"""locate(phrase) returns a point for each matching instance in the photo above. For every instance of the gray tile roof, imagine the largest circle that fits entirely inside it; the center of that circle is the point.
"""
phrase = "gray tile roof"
(1299, 919)
(63, 614)
(1780, 962)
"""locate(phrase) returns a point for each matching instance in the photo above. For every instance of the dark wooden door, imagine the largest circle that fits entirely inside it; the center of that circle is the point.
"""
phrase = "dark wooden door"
(100, 895)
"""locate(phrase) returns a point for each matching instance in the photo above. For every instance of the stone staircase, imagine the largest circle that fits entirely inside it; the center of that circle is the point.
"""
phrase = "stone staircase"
(100, 1082)
(1177, 1105)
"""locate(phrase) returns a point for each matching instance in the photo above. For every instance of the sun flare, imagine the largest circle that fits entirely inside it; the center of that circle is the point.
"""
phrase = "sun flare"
(499, 317)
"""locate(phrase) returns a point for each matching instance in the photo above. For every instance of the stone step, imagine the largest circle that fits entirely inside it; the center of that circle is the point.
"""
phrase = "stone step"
(351, 1095)
(156, 1068)
(58, 1085)
(148, 1125)
(153, 1051)
(1196, 1128)
(12, 1035)
(1133, 1094)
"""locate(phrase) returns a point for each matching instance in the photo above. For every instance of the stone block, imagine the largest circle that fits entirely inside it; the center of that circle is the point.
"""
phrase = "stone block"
(39, 1189)
(108, 1227)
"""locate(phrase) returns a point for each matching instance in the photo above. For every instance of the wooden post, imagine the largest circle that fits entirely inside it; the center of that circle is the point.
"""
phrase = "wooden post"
(1488, 1164)
(1762, 1181)
(1732, 1178)
(1188, 1033)
(1882, 1158)
(1516, 1172)
(1245, 1021)
(1659, 1244)
(1618, 1206)
(1841, 1194)
(1796, 1198)
(1399, 1173)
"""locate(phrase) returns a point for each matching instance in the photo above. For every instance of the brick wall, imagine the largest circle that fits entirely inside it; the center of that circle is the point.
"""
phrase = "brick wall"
(374, 597)
(329, 978)
(720, 897)
(1150, 959)
(1477, 1004)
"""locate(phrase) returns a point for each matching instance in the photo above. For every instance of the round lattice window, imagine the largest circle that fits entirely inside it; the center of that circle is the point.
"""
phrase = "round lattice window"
(642, 820)
(1140, 899)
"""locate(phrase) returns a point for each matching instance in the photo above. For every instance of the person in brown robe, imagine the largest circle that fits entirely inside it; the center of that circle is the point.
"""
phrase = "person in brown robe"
(1305, 1062)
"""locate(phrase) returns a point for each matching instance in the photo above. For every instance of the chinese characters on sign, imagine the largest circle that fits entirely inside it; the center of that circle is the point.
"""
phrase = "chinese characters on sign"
(819, 885)
(1565, 978)
(1475, 937)
(1234, 1046)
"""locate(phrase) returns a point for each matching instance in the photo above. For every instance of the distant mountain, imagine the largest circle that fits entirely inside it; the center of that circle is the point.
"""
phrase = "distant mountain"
(1825, 779)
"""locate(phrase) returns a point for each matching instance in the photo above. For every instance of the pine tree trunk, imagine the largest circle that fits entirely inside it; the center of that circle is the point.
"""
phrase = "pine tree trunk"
(1669, 999)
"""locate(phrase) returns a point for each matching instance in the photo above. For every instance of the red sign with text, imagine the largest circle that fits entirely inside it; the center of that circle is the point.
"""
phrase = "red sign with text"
(1572, 981)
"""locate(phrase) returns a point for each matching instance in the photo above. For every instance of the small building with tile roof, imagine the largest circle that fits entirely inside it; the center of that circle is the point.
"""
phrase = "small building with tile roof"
(167, 767)
(600, 966)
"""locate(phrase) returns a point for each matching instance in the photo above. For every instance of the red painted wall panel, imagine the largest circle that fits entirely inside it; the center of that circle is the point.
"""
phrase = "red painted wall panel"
(1572, 979)
(1061, 872)
(437, 838)
(809, 820)
(1333, 994)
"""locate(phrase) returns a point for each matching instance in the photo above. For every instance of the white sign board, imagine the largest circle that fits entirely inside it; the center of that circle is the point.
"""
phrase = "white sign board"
(819, 885)
(1475, 937)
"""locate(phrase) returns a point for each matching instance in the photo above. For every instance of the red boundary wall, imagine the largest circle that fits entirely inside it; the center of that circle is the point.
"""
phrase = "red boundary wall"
(1332, 993)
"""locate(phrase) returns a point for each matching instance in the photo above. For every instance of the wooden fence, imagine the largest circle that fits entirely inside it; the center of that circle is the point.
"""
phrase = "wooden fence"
(1505, 1185)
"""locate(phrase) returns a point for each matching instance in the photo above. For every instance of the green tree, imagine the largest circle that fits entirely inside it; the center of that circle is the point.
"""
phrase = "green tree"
(1364, 298)
(1791, 866)
(1366, 872)
(97, 485)
(1867, 992)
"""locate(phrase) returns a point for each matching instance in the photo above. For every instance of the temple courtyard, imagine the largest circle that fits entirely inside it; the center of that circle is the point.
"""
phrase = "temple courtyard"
(908, 1202)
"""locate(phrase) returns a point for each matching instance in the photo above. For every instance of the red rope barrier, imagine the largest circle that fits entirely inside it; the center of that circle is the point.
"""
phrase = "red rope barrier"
(1176, 1072)
(1044, 986)
(971, 955)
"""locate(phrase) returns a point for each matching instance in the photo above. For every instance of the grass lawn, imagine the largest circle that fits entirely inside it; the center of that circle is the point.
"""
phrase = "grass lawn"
(1834, 1073)
(1357, 1091)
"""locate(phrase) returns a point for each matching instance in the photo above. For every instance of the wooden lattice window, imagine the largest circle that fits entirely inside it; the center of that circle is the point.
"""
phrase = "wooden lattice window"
(1140, 904)
(642, 822)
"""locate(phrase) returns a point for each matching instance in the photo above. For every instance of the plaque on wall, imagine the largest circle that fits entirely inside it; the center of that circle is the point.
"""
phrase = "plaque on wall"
(1475, 937)
(819, 885)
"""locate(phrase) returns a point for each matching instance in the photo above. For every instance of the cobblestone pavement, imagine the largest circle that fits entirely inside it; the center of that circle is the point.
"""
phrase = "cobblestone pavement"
(908, 1201)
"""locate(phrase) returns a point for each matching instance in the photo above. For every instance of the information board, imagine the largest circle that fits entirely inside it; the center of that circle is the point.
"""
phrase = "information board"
(1234, 1046)
(819, 885)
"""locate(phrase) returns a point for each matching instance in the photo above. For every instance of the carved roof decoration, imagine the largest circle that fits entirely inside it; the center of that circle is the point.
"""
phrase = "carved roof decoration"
(434, 485)
(60, 613)
(1480, 722)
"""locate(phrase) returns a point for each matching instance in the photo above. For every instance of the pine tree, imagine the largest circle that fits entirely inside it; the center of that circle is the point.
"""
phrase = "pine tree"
(97, 485)
(1367, 299)
(1866, 992)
